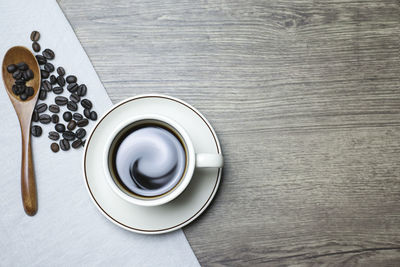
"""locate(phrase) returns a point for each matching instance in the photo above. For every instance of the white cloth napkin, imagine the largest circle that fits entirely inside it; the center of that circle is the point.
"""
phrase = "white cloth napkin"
(68, 230)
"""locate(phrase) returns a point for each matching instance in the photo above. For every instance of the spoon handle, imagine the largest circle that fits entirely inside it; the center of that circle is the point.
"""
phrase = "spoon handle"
(28, 184)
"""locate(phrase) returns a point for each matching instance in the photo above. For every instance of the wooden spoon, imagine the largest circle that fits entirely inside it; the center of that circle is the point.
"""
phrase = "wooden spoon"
(24, 110)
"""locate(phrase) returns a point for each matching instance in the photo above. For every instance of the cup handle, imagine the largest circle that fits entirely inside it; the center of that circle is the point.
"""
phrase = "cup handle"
(209, 160)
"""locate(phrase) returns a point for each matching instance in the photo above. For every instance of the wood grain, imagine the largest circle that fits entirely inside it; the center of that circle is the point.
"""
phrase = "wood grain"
(305, 98)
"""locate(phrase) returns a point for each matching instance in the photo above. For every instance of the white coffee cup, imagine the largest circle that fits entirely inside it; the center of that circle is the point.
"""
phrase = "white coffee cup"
(193, 160)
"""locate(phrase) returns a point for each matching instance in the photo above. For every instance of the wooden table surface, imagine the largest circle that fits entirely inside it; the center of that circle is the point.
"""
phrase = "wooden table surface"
(305, 98)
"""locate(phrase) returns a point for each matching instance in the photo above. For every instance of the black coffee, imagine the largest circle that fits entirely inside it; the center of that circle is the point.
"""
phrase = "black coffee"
(148, 160)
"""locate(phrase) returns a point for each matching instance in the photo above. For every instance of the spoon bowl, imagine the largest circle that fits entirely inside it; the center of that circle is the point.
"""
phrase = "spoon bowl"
(24, 110)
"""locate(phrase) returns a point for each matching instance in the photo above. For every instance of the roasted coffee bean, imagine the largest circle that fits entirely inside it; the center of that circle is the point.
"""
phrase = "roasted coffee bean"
(80, 133)
(71, 79)
(41, 59)
(17, 75)
(22, 66)
(48, 53)
(42, 94)
(20, 89)
(71, 125)
(61, 71)
(36, 46)
(82, 89)
(59, 127)
(35, 36)
(28, 75)
(54, 108)
(58, 90)
(86, 112)
(67, 116)
(49, 67)
(42, 107)
(77, 116)
(55, 119)
(54, 135)
(46, 85)
(23, 96)
(45, 118)
(82, 123)
(75, 98)
(72, 87)
(61, 100)
(53, 79)
(36, 130)
(93, 115)
(44, 74)
(29, 91)
(20, 82)
(55, 147)
(64, 144)
(35, 116)
(12, 68)
(68, 135)
(86, 103)
(72, 106)
(61, 81)
(14, 89)
(77, 143)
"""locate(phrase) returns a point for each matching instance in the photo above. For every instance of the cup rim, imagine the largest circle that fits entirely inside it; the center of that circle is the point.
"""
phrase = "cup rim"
(181, 185)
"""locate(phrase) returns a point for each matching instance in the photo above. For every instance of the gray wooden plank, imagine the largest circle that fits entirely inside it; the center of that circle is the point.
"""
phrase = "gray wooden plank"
(305, 98)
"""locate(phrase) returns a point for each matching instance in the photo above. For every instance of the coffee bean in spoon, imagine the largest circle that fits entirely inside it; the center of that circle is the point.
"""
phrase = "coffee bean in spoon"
(55, 119)
(22, 66)
(82, 123)
(68, 135)
(80, 133)
(28, 75)
(54, 108)
(58, 90)
(29, 91)
(75, 98)
(54, 135)
(61, 71)
(36, 46)
(36, 130)
(55, 147)
(42, 107)
(11, 68)
(72, 106)
(71, 125)
(53, 79)
(72, 87)
(82, 89)
(59, 127)
(61, 81)
(93, 115)
(86, 103)
(23, 96)
(45, 118)
(77, 143)
(35, 36)
(64, 144)
(49, 67)
(77, 116)
(42, 94)
(67, 116)
(48, 53)
(46, 85)
(61, 100)
(71, 79)
(41, 59)
(17, 75)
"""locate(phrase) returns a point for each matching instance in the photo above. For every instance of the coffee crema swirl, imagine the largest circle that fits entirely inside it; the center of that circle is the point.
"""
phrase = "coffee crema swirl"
(150, 161)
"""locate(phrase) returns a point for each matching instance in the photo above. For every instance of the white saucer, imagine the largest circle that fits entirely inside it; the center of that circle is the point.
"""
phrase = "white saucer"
(175, 214)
